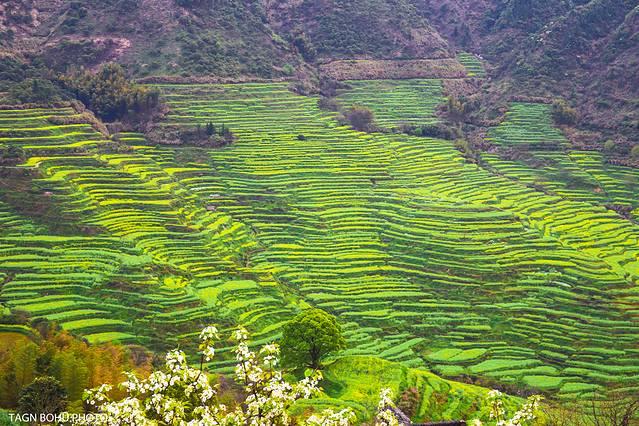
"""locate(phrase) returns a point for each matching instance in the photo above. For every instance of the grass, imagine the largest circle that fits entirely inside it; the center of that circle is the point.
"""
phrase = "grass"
(356, 381)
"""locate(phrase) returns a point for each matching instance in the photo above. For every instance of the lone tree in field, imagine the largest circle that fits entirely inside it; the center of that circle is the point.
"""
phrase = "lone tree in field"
(309, 337)
(361, 118)
(45, 395)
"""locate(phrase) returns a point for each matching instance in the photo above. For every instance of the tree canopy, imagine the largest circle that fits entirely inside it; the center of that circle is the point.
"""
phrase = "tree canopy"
(309, 337)
(108, 93)
(45, 395)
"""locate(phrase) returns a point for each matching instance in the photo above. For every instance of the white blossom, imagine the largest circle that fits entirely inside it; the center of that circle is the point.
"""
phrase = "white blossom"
(385, 416)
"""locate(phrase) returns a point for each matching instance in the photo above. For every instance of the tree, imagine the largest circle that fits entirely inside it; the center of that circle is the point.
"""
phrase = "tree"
(35, 90)
(182, 395)
(210, 129)
(45, 395)
(456, 109)
(525, 416)
(309, 337)
(72, 372)
(108, 93)
(24, 364)
(361, 118)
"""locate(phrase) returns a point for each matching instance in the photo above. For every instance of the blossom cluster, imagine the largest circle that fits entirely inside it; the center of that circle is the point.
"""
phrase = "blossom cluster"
(179, 395)
(524, 416)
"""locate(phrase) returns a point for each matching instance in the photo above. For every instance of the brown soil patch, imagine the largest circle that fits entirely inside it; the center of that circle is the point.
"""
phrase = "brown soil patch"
(382, 69)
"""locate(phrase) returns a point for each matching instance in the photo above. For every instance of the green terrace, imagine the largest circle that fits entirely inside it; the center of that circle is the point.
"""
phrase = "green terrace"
(473, 64)
(395, 102)
(427, 260)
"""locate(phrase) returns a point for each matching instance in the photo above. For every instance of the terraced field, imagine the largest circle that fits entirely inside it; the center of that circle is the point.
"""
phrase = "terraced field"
(395, 101)
(544, 162)
(426, 259)
(473, 65)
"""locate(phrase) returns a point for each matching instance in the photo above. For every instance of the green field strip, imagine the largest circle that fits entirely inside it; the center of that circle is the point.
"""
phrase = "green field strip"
(395, 102)
(473, 64)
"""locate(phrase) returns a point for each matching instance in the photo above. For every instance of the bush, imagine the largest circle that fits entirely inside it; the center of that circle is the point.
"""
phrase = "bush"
(360, 118)
(201, 136)
(305, 47)
(435, 130)
(563, 113)
(456, 109)
(609, 145)
(35, 90)
(634, 152)
(328, 104)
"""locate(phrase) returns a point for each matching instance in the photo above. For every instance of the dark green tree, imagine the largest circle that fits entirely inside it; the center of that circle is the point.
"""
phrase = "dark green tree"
(309, 337)
(35, 90)
(43, 395)
(210, 129)
(108, 92)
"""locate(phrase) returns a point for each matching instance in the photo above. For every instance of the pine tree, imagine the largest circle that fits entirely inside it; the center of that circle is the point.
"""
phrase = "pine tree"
(210, 129)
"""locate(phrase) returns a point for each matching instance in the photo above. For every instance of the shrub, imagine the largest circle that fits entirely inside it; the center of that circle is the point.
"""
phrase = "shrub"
(456, 110)
(305, 47)
(35, 90)
(563, 113)
(609, 145)
(360, 118)
(438, 131)
(328, 104)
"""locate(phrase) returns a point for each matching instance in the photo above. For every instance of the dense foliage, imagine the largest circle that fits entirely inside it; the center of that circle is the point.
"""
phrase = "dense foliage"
(360, 118)
(44, 395)
(309, 337)
(563, 113)
(35, 90)
(108, 93)
(29, 368)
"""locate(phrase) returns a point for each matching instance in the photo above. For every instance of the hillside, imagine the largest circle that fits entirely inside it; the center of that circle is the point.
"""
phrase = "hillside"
(483, 226)
(584, 51)
(220, 38)
(376, 228)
